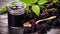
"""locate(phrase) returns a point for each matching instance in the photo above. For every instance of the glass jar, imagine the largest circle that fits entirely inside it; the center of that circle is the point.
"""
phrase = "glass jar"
(16, 14)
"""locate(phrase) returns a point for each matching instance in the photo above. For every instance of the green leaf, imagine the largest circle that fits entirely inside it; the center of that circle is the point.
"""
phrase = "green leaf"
(36, 9)
(13, 3)
(3, 10)
(41, 2)
(29, 2)
(27, 9)
(54, 1)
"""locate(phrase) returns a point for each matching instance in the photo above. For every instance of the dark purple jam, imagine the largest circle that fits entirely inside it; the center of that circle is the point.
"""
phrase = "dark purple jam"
(15, 18)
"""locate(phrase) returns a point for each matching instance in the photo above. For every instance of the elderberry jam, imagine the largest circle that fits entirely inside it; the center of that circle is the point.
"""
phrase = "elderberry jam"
(16, 15)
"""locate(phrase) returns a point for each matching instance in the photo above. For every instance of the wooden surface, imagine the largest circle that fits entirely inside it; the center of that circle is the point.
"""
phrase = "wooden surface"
(3, 21)
(6, 30)
(4, 3)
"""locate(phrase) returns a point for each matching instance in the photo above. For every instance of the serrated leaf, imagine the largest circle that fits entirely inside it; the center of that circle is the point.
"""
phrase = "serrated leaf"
(36, 9)
(3, 10)
(54, 1)
(41, 2)
(29, 2)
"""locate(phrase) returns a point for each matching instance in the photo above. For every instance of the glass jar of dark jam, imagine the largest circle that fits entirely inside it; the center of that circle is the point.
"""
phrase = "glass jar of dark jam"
(16, 14)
